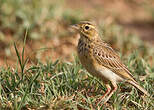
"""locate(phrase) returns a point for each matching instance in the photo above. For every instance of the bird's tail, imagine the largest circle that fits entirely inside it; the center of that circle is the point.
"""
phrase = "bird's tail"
(135, 84)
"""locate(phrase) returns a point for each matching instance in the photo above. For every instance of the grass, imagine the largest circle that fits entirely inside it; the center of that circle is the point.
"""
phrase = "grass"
(64, 85)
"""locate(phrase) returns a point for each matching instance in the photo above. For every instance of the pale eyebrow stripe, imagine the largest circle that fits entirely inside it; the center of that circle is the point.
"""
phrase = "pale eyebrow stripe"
(91, 26)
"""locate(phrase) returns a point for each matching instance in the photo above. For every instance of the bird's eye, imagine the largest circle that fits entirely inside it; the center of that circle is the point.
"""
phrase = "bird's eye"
(86, 27)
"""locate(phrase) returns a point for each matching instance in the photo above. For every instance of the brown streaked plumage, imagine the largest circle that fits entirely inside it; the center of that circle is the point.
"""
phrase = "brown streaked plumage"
(101, 60)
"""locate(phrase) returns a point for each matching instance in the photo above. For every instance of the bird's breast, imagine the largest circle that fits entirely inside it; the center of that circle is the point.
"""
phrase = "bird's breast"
(85, 53)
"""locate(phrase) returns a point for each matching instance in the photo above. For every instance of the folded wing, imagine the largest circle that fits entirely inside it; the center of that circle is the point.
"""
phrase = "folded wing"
(108, 58)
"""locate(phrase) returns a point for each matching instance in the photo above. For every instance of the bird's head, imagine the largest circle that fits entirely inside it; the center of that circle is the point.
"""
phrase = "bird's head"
(86, 29)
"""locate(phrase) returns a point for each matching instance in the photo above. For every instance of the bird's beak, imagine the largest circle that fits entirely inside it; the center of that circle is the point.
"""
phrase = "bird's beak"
(75, 26)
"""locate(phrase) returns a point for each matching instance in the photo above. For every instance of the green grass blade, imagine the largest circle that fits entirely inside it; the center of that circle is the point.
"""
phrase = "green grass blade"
(18, 56)
(23, 49)
(26, 91)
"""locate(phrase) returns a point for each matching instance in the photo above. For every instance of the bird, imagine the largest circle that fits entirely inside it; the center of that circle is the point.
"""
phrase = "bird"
(101, 61)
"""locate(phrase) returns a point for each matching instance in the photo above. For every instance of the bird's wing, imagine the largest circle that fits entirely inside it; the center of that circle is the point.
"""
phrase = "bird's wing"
(108, 58)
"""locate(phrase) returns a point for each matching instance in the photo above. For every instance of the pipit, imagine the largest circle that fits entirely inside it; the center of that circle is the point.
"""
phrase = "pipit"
(101, 60)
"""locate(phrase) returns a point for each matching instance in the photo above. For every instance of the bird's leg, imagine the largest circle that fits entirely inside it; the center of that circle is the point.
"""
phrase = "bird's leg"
(106, 93)
(111, 93)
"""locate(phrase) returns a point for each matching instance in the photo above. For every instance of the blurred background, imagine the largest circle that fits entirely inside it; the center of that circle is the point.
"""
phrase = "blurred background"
(128, 25)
